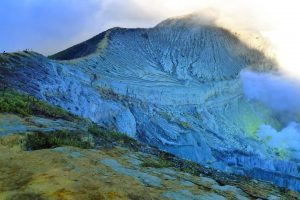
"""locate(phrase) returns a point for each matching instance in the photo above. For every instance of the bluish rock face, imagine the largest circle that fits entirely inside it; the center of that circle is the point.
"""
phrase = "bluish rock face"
(175, 86)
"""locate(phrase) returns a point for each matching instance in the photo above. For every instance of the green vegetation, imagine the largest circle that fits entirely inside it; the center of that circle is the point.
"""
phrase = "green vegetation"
(25, 105)
(166, 115)
(160, 163)
(281, 153)
(102, 137)
(184, 125)
(167, 160)
(3, 59)
(39, 140)
(106, 138)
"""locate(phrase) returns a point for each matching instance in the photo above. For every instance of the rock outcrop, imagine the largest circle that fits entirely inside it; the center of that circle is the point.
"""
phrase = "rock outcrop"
(175, 86)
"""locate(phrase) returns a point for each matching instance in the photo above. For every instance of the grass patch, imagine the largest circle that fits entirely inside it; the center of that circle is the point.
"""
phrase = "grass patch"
(25, 105)
(160, 163)
(96, 136)
(105, 137)
(39, 140)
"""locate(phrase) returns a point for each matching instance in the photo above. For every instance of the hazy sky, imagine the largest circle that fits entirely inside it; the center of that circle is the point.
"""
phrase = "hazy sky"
(48, 26)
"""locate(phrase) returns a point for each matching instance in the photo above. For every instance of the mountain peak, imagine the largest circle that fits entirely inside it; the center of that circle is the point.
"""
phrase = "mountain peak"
(183, 47)
(194, 19)
(175, 86)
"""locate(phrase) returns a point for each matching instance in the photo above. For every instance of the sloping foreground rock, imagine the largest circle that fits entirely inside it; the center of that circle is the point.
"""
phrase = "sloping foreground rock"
(108, 172)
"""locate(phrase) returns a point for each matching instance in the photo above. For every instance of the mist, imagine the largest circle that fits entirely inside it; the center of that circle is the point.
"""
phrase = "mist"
(281, 93)
(286, 139)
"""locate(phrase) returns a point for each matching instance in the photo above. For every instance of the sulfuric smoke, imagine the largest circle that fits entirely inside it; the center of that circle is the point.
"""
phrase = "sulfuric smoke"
(282, 95)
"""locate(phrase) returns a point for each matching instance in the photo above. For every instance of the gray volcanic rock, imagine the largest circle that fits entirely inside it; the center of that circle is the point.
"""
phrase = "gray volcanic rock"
(175, 86)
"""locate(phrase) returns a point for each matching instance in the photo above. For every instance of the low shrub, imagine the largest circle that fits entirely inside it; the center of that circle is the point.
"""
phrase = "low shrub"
(106, 138)
(160, 163)
(41, 140)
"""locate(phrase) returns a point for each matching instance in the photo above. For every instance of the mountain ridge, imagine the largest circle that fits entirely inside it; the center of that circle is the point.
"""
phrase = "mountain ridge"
(174, 87)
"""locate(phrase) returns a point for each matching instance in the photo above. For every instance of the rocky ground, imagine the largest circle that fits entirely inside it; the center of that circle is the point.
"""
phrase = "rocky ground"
(111, 168)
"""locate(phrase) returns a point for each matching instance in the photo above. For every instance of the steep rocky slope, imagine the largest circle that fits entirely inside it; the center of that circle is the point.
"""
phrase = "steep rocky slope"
(175, 86)
(52, 158)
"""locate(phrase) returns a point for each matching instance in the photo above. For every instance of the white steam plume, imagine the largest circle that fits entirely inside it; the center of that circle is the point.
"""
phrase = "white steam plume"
(287, 138)
(280, 92)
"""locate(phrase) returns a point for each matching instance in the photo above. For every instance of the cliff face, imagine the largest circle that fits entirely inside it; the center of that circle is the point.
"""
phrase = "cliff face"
(175, 86)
